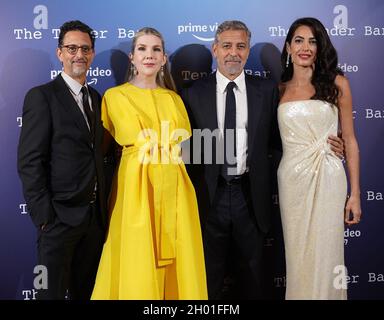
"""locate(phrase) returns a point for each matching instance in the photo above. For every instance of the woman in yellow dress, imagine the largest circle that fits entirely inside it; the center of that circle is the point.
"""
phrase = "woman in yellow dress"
(153, 248)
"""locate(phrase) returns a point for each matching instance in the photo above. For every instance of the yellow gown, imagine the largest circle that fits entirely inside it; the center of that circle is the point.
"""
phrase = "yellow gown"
(154, 247)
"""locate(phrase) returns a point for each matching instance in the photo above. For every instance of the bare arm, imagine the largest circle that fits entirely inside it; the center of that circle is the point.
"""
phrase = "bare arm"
(353, 206)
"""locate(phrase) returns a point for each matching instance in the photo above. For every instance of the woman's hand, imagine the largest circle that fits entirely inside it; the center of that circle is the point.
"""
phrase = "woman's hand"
(352, 210)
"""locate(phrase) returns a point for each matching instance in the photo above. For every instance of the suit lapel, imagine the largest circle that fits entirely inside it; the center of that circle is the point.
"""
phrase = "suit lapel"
(210, 100)
(68, 102)
(255, 104)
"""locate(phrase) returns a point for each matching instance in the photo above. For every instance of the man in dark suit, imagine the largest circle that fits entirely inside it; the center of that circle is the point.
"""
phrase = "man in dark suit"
(60, 164)
(234, 198)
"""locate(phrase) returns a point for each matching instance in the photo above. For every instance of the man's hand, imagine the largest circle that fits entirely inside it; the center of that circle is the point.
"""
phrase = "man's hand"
(337, 146)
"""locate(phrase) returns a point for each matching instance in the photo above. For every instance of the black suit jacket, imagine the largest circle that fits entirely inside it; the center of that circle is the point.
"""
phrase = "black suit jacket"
(57, 162)
(263, 134)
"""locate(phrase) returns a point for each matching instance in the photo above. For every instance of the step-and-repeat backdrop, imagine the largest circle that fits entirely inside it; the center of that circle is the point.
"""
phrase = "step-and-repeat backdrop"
(29, 32)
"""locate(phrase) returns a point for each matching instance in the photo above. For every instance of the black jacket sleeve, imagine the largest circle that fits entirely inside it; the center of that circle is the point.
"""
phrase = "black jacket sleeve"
(34, 156)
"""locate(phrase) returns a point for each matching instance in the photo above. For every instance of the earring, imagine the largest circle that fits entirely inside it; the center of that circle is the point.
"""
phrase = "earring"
(162, 71)
(287, 63)
(134, 70)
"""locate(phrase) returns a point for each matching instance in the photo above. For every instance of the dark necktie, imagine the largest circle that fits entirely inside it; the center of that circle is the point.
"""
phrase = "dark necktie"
(88, 112)
(229, 125)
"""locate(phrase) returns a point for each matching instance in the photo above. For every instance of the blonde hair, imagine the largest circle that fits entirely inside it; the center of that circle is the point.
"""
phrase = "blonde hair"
(164, 81)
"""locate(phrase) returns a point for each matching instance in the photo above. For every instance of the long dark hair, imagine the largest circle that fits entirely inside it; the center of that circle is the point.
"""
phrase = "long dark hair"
(165, 80)
(326, 69)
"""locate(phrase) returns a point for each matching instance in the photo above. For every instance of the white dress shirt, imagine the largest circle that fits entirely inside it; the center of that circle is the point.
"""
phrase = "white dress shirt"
(240, 92)
(75, 89)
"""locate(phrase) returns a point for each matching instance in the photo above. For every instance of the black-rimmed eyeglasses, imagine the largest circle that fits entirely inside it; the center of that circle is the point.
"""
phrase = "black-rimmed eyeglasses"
(72, 49)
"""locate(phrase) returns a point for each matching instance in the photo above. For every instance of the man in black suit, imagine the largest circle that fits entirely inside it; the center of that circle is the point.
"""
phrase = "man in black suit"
(234, 198)
(60, 164)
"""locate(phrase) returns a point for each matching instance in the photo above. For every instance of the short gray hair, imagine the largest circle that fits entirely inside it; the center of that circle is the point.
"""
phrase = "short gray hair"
(232, 25)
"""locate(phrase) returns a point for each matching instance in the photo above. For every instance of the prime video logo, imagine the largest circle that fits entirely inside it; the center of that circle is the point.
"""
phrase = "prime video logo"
(92, 73)
(198, 28)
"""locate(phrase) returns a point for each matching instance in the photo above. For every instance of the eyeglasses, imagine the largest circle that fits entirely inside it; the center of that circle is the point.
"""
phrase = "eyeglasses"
(72, 49)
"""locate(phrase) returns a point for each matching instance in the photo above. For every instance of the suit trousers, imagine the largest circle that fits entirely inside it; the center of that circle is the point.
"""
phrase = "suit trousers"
(231, 224)
(71, 256)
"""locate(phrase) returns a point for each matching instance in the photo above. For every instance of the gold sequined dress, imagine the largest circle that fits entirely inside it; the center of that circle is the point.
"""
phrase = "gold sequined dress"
(312, 192)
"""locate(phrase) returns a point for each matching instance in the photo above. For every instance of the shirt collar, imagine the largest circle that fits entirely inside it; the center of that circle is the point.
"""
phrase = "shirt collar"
(73, 85)
(222, 82)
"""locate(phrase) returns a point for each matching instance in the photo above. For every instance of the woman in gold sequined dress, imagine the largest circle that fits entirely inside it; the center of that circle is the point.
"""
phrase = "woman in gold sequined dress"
(315, 103)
